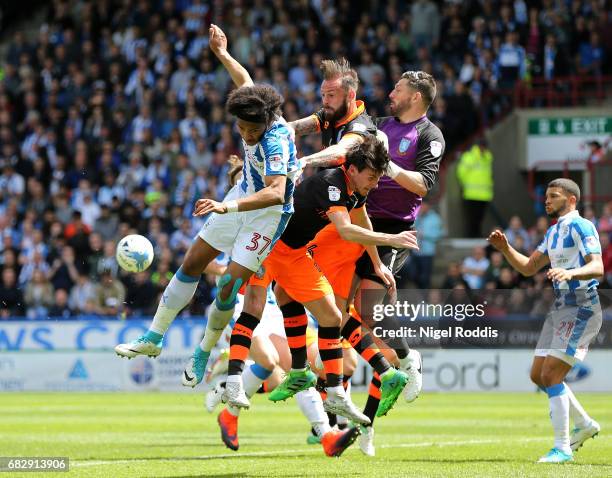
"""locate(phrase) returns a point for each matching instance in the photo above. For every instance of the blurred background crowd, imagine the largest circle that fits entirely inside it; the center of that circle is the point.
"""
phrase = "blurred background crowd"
(112, 121)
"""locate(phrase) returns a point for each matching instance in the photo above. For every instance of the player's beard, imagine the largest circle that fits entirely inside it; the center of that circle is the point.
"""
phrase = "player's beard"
(556, 213)
(337, 114)
(399, 108)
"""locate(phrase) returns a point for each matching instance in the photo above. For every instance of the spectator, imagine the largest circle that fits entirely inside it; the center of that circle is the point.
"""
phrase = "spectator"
(429, 227)
(11, 296)
(511, 61)
(425, 24)
(63, 273)
(107, 223)
(474, 268)
(139, 299)
(38, 295)
(591, 56)
(453, 277)
(110, 295)
(538, 232)
(515, 230)
(83, 295)
(475, 175)
(60, 307)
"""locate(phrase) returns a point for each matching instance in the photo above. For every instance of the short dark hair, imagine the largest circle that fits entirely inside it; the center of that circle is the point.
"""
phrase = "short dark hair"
(422, 82)
(334, 69)
(567, 185)
(371, 153)
(256, 103)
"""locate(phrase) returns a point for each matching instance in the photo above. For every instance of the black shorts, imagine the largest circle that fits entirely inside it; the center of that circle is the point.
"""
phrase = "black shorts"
(365, 269)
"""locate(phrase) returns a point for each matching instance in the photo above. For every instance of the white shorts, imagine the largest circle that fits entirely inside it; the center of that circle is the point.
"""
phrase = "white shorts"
(272, 323)
(568, 331)
(247, 237)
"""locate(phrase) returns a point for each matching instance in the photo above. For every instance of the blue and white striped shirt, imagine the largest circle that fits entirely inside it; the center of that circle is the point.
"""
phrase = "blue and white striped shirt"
(274, 155)
(567, 244)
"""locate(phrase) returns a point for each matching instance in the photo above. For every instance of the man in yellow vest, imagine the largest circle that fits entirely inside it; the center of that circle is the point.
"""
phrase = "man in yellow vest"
(475, 175)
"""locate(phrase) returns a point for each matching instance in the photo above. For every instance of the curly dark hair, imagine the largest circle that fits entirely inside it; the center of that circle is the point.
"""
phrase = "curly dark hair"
(371, 153)
(256, 103)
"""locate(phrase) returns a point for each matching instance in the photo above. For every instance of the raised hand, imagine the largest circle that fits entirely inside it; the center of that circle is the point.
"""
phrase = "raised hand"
(217, 40)
(498, 240)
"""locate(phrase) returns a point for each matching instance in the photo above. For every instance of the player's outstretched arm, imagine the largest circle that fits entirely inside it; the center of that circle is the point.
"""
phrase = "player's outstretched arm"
(218, 45)
(351, 232)
(591, 270)
(527, 266)
(304, 126)
(272, 195)
(333, 155)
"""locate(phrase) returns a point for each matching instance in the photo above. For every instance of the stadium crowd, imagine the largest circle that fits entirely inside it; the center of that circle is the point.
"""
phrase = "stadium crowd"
(112, 118)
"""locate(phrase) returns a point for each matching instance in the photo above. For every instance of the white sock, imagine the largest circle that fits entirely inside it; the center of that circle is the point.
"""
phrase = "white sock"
(311, 405)
(338, 391)
(559, 416)
(216, 323)
(178, 294)
(578, 415)
(230, 408)
(252, 378)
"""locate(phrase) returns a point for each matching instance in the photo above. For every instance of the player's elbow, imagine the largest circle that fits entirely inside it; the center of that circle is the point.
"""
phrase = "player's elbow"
(276, 194)
(421, 191)
(344, 232)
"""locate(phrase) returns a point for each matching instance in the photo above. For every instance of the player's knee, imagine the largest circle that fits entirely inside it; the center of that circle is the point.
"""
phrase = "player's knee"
(254, 302)
(349, 364)
(268, 361)
(549, 377)
(535, 376)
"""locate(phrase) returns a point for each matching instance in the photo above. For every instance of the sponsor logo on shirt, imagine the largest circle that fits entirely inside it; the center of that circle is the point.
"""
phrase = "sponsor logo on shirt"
(276, 163)
(334, 193)
(436, 148)
(592, 241)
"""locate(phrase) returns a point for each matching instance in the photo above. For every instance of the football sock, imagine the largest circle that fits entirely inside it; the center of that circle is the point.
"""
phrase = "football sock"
(311, 405)
(373, 398)
(216, 323)
(321, 388)
(176, 296)
(364, 345)
(559, 415)
(578, 415)
(330, 351)
(252, 378)
(296, 323)
(346, 383)
(240, 342)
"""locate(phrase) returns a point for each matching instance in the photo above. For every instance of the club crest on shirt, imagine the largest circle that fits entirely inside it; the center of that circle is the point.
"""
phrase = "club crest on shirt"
(261, 272)
(436, 148)
(563, 232)
(404, 145)
(334, 193)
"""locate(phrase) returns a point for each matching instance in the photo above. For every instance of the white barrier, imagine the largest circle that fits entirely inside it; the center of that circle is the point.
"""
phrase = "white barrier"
(78, 356)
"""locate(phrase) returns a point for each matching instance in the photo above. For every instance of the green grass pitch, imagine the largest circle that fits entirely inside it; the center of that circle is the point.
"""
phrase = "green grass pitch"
(171, 435)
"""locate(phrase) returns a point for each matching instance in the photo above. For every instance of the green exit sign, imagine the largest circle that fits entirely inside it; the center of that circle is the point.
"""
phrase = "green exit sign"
(580, 126)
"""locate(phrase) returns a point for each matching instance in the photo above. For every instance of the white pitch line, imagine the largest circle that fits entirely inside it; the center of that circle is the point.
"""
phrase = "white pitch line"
(303, 450)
